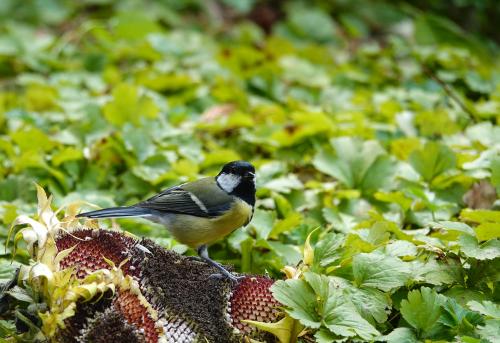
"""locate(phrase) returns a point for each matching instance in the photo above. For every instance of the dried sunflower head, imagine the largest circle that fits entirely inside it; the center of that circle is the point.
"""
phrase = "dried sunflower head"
(105, 286)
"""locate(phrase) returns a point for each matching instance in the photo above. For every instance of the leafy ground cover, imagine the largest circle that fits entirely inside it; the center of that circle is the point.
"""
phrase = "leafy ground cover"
(374, 131)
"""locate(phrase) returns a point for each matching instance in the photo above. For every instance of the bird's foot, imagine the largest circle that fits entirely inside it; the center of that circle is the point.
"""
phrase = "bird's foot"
(223, 273)
(233, 278)
(195, 259)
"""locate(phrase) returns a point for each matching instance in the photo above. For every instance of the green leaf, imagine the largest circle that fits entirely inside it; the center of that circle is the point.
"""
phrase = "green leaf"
(7, 328)
(395, 197)
(285, 225)
(463, 295)
(400, 335)
(134, 25)
(486, 308)
(458, 319)
(401, 248)
(128, 106)
(328, 163)
(357, 164)
(139, 141)
(379, 271)
(371, 303)
(328, 249)
(32, 139)
(338, 313)
(284, 184)
(299, 299)
(480, 216)
(7, 270)
(323, 335)
(378, 175)
(311, 22)
(20, 294)
(453, 226)
(289, 253)
(432, 160)
(490, 331)
(485, 251)
(262, 223)
(422, 309)
(437, 273)
(341, 317)
(487, 231)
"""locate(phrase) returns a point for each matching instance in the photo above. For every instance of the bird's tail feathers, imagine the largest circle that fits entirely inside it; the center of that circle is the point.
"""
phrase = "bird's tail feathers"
(117, 212)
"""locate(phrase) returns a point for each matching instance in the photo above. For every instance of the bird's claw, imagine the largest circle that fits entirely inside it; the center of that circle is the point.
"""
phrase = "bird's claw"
(233, 278)
(195, 259)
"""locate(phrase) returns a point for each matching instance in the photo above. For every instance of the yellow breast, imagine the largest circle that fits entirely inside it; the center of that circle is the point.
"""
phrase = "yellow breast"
(196, 231)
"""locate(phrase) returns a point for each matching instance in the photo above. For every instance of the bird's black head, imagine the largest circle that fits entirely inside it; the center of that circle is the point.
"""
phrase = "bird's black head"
(238, 178)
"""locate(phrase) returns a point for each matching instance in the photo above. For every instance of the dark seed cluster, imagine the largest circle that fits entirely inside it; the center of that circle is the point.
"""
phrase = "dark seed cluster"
(108, 327)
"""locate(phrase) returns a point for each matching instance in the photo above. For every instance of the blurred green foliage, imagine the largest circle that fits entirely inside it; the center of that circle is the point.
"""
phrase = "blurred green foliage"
(374, 121)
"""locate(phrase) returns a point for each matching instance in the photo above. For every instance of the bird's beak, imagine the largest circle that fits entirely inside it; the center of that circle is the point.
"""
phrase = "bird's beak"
(250, 175)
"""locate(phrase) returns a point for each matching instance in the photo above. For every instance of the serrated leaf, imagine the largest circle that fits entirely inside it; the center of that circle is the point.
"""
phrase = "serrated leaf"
(379, 271)
(7, 270)
(432, 160)
(341, 317)
(458, 319)
(323, 335)
(299, 299)
(378, 175)
(401, 248)
(328, 249)
(357, 164)
(422, 308)
(20, 294)
(485, 251)
(7, 328)
(371, 303)
(486, 308)
(490, 331)
(437, 273)
(328, 163)
(400, 335)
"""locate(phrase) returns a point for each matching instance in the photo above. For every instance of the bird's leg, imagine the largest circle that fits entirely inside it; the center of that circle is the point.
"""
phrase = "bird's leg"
(203, 253)
(195, 259)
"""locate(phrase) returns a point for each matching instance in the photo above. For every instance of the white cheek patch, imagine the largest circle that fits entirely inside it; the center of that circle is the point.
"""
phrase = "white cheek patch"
(228, 182)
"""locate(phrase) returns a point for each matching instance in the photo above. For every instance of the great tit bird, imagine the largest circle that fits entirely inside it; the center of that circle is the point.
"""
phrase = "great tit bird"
(200, 212)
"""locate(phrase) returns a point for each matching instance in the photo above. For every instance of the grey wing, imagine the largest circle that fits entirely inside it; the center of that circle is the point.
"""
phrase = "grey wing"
(182, 201)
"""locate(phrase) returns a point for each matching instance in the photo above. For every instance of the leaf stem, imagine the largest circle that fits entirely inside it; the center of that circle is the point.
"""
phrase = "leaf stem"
(448, 90)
